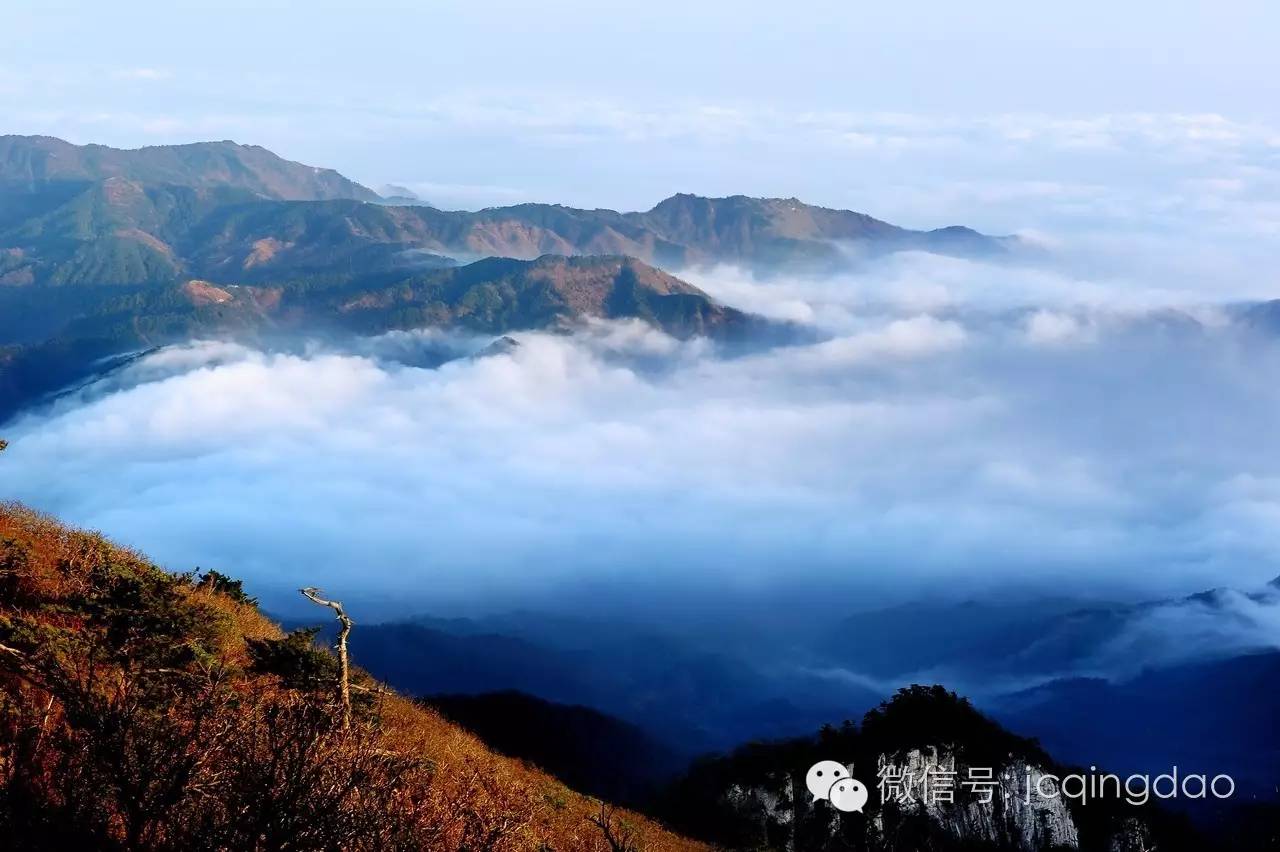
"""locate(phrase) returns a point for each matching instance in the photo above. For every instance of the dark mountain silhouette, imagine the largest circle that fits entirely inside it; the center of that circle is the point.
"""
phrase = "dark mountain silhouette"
(1213, 716)
(590, 751)
(1203, 716)
(756, 797)
(694, 700)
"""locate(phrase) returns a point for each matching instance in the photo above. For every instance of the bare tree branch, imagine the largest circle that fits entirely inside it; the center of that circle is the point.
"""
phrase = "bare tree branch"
(617, 833)
(344, 687)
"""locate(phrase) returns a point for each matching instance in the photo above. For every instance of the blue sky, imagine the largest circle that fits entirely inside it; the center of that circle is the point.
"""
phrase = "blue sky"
(863, 105)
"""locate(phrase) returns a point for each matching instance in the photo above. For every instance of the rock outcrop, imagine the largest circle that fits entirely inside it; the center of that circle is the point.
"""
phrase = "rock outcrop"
(1001, 813)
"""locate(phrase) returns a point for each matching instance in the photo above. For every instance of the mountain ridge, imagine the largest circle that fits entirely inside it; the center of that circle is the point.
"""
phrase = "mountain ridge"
(196, 164)
(220, 211)
(83, 325)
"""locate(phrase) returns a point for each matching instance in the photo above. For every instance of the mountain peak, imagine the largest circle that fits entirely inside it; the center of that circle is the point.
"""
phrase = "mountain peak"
(225, 163)
(499, 295)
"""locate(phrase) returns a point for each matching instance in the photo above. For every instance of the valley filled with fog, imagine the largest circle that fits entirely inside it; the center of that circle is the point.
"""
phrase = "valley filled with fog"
(939, 436)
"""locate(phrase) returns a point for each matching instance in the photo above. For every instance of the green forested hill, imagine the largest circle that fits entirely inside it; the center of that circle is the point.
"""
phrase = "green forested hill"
(104, 252)
(51, 337)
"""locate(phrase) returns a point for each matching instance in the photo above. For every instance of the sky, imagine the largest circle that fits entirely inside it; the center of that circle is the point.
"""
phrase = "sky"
(867, 106)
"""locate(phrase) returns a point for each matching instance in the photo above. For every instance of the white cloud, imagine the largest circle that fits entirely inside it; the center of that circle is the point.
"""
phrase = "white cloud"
(1053, 328)
(901, 338)
(1219, 624)
(901, 448)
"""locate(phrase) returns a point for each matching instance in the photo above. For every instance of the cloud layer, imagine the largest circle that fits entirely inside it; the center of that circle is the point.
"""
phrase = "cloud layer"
(917, 444)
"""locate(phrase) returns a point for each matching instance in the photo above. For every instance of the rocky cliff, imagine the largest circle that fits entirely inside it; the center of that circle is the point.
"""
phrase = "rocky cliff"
(939, 776)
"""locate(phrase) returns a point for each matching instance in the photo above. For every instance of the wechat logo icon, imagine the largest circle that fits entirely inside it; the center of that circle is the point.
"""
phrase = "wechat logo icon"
(829, 780)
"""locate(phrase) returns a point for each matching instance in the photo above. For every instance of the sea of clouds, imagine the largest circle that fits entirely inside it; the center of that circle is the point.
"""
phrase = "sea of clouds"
(1092, 423)
(953, 428)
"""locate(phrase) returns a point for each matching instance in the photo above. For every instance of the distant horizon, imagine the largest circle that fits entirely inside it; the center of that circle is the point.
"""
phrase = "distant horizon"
(1006, 117)
(910, 161)
(377, 188)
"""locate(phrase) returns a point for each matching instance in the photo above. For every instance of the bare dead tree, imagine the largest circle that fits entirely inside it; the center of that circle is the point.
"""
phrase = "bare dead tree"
(617, 834)
(344, 683)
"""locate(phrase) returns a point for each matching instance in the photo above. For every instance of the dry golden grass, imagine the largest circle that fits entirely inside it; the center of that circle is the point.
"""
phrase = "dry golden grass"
(524, 807)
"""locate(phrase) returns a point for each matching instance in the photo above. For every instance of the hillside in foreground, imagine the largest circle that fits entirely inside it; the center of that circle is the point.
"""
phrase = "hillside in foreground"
(141, 710)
